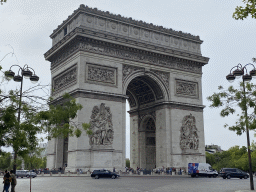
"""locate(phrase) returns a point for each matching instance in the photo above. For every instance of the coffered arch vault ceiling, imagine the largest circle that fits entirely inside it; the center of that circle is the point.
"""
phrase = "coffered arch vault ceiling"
(143, 90)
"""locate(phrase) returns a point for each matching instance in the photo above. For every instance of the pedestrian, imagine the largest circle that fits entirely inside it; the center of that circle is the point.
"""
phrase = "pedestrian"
(114, 169)
(7, 181)
(14, 181)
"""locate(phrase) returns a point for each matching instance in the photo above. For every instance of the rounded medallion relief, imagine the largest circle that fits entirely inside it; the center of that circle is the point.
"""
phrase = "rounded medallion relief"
(101, 22)
(113, 25)
(89, 19)
(136, 31)
(157, 36)
(125, 29)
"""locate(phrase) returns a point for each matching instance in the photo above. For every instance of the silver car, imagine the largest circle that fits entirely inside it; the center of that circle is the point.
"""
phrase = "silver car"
(25, 173)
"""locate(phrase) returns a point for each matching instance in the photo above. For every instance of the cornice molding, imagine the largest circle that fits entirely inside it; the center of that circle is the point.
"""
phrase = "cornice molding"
(83, 93)
(124, 41)
(118, 18)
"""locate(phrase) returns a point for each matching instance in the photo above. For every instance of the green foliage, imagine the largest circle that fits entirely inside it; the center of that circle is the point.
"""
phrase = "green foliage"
(127, 163)
(2, 1)
(231, 99)
(243, 12)
(34, 162)
(235, 157)
(21, 136)
(57, 121)
(5, 161)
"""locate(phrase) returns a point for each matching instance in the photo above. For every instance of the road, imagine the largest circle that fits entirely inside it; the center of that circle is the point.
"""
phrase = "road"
(133, 183)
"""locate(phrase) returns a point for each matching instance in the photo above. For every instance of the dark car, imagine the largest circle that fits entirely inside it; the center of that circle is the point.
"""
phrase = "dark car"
(233, 173)
(104, 173)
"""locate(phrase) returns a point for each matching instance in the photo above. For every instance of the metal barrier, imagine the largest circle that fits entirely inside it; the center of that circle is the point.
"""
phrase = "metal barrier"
(146, 172)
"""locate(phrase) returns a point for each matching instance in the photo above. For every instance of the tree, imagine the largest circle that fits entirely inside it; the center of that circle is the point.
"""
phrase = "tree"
(243, 12)
(56, 120)
(232, 98)
(3, 1)
(234, 157)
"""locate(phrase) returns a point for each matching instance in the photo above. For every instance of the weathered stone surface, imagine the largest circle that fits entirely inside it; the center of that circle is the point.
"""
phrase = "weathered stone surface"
(103, 59)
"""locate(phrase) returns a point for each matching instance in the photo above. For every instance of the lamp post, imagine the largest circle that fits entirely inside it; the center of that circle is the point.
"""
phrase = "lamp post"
(30, 155)
(238, 72)
(27, 73)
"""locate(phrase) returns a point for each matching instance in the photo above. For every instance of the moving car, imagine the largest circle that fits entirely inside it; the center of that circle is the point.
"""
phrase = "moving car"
(201, 169)
(104, 173)
(233, 173)
(25, 173)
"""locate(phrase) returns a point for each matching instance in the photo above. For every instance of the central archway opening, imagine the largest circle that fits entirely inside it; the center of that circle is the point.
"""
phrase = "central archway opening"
(143, 92)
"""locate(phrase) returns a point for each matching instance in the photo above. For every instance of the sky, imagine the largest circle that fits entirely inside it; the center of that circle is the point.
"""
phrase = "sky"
(25, 27)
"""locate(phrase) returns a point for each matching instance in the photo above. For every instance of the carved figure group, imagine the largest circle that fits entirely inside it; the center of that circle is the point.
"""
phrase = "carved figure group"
(189, 137)
(101, 125)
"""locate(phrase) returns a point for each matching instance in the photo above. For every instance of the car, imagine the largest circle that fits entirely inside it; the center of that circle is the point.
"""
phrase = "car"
(104, 173)
(227, 173)
(25, 173)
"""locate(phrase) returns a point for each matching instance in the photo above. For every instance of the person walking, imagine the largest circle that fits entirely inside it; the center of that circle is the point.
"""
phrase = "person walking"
(14, 181)
(7, 181)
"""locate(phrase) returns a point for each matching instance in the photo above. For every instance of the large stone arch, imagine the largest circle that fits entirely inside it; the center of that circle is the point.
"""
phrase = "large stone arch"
(102, 60)
(161, 80)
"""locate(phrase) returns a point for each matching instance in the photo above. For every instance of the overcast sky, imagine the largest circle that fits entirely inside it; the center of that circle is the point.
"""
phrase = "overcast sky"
(26, 25)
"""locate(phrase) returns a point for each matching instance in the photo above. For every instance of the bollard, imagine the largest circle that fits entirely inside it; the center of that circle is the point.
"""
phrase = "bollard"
(130, 173)
(59, 173)
(50, 173)
(88, 173)
(68, 173)
(42, 173)
(162, 173)
(173, 173)
(141, 173)
(78, 173)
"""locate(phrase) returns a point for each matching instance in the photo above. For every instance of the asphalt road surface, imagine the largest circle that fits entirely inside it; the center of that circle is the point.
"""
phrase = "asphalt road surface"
(132, 183)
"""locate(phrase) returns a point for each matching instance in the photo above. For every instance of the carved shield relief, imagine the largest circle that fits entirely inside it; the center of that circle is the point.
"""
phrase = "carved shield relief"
(188, 133)
(101, 125)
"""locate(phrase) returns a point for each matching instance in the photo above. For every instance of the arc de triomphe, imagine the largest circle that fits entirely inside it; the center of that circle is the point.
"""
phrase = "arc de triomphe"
(103, 59)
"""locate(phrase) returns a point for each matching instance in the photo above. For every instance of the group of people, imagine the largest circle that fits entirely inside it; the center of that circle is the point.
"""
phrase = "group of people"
(9, 180)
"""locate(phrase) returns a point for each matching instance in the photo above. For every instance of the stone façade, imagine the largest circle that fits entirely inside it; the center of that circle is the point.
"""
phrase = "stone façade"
(103, 59)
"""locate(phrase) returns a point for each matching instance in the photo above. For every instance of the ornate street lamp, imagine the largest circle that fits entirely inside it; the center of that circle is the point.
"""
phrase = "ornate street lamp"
(27, 73)
(237, 73)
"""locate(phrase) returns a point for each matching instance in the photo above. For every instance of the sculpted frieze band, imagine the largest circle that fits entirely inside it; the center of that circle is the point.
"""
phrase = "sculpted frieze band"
(125, 53)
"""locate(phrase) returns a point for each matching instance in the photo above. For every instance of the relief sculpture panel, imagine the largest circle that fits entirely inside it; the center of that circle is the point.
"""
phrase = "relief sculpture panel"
(101, 126)
(65, 79)
(101, 74)
(186, 88)
(188, 133)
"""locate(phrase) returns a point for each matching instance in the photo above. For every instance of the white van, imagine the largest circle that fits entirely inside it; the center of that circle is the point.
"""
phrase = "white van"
(201, 169)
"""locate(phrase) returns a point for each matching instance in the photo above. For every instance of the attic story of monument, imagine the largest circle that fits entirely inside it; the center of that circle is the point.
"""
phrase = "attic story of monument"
(103, 60)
